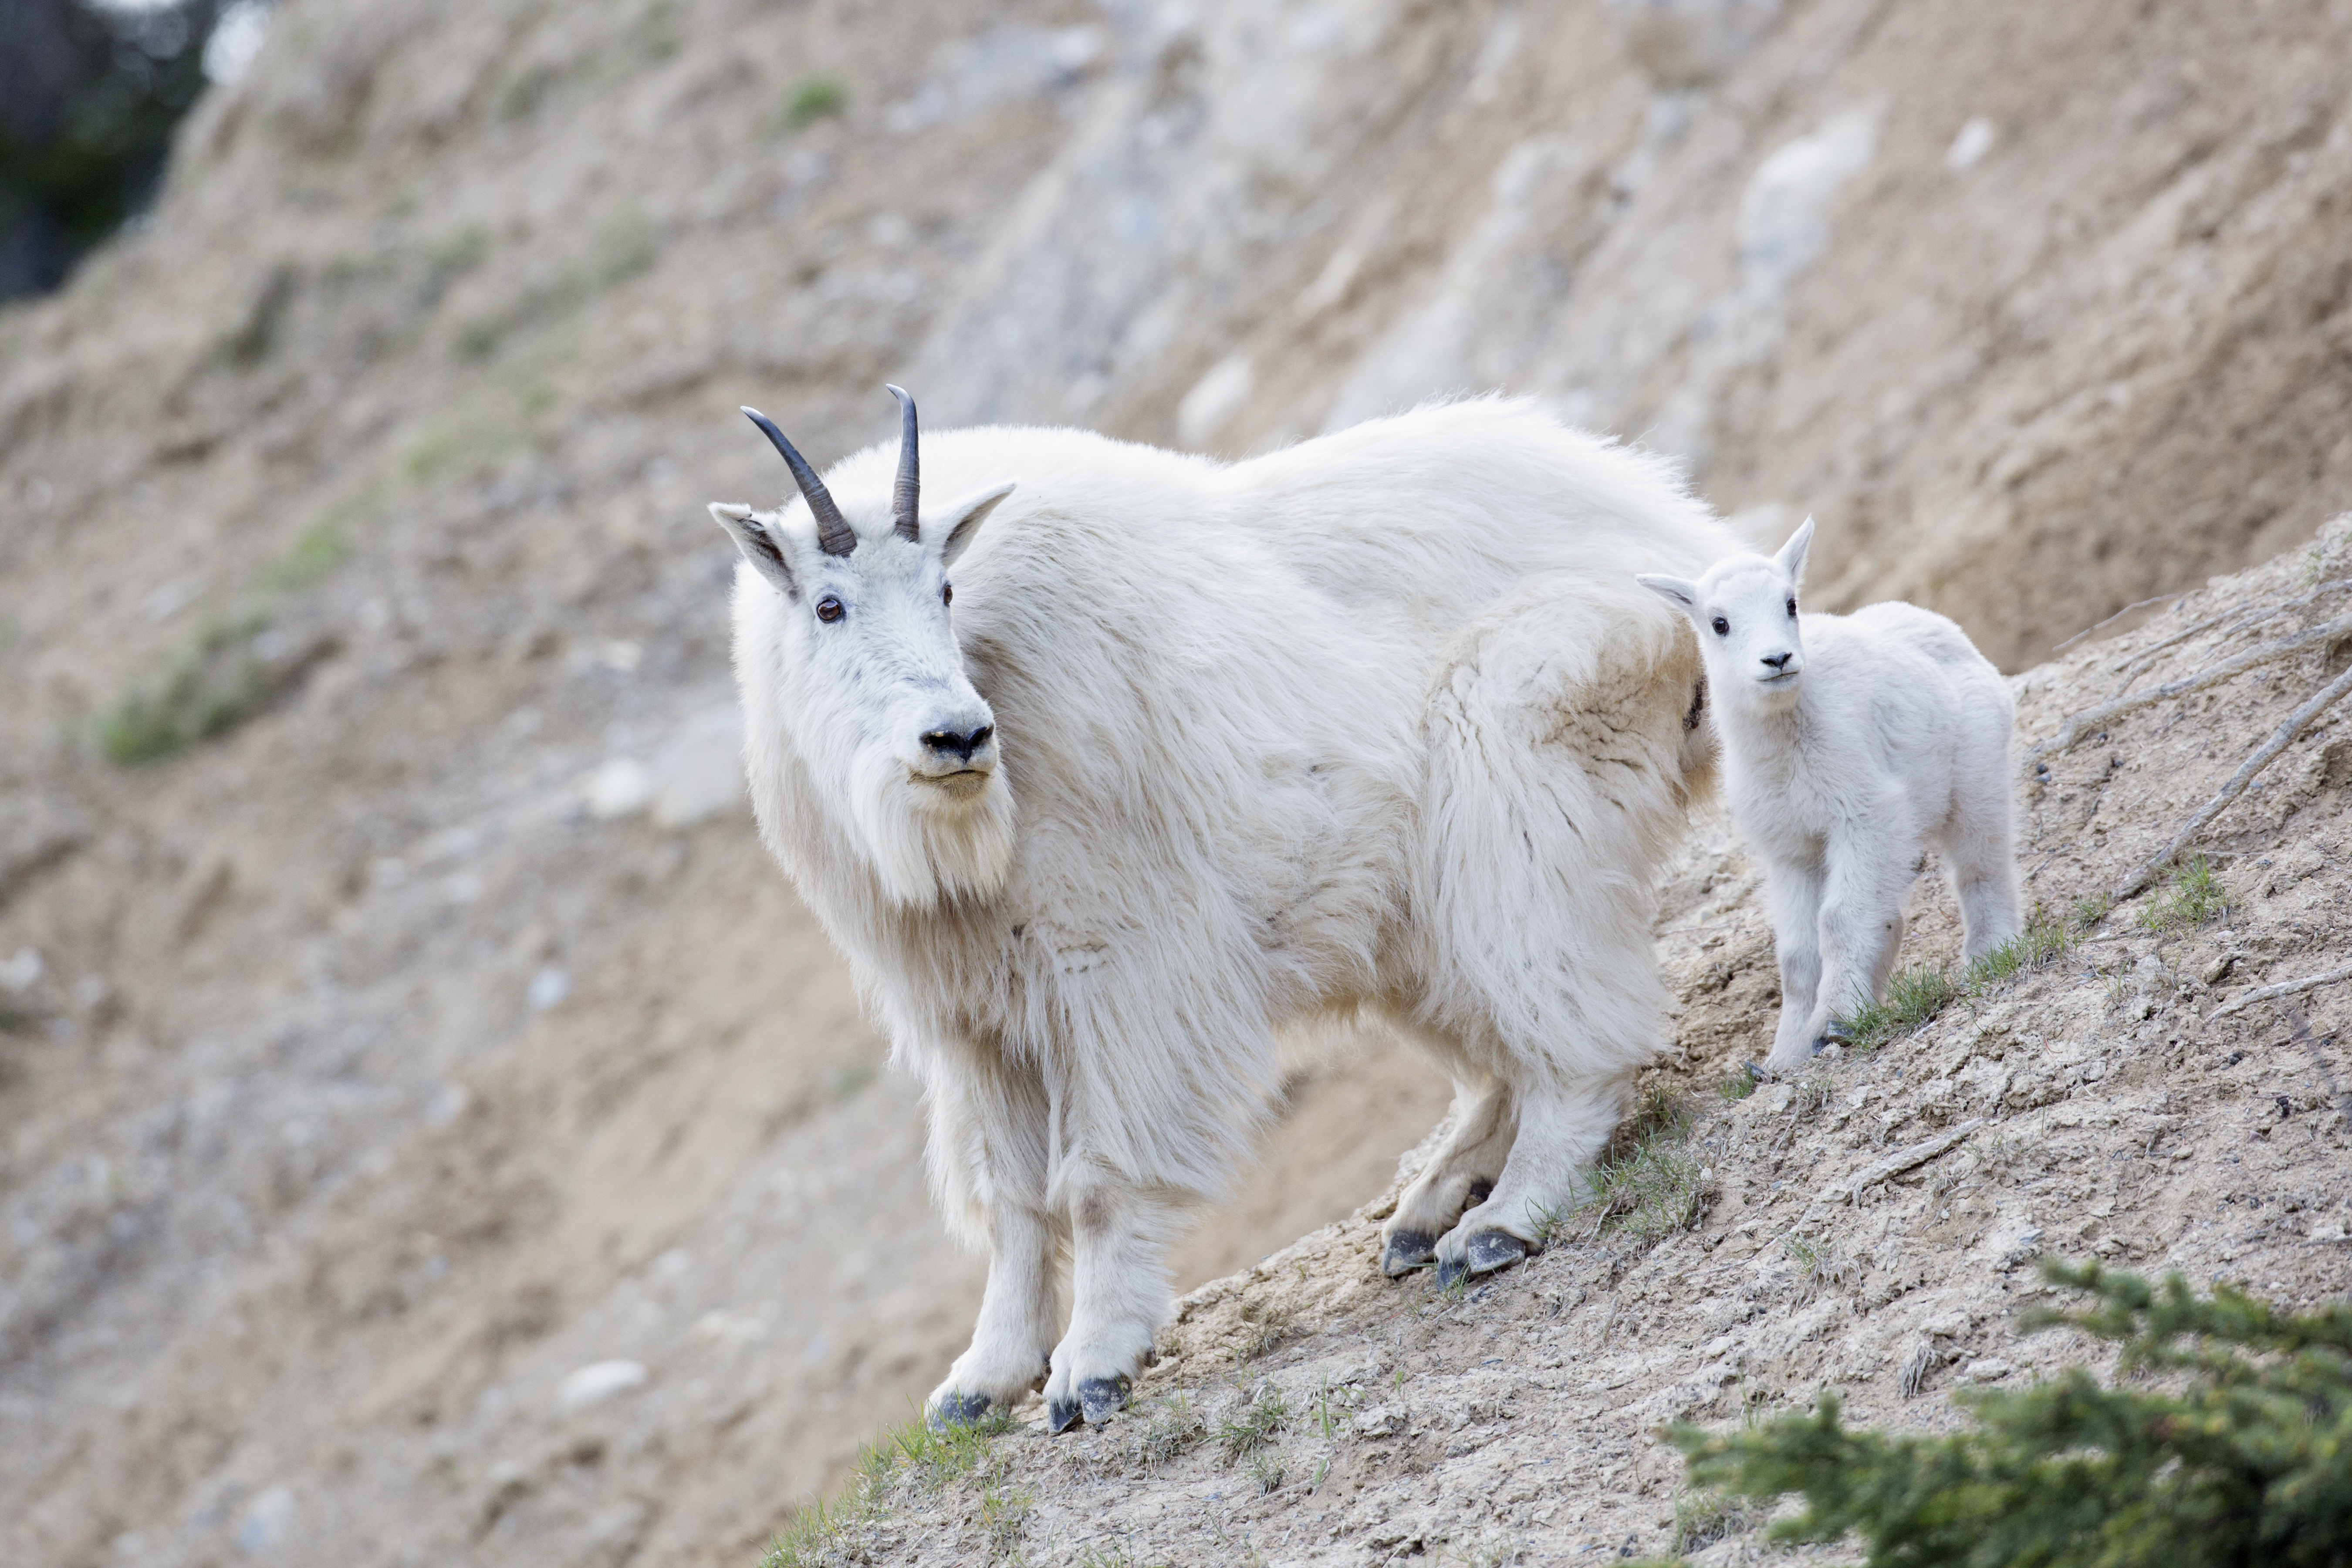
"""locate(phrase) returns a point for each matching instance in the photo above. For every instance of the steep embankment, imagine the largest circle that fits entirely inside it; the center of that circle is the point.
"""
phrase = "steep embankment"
(434, 1029)
(1868, 1227)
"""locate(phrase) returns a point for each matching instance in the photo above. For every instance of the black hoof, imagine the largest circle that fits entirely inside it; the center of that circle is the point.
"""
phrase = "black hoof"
(959, 1410)
(1061, 1417)
(1102, 1397)
(1493, 1250)
(1408, 1250)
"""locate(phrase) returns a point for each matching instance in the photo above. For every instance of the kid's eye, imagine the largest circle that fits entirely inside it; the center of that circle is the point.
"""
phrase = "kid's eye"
(1793, 610)
(1722, 626)
(828, 609)
(947, 593)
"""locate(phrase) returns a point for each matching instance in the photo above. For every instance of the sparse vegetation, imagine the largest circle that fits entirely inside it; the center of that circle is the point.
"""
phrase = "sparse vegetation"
(1915, 996)
(2192, 896)
(1260, 1419)
(1703, 1518)
(316, 551)
(813, 99)
(1171, 1429)
(216, 682)
(918, 1454)
(2248, 1461)
(1264, 1326)
(1648, 1184)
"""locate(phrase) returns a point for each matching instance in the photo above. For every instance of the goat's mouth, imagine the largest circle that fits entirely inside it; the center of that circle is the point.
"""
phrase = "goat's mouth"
(1782, 681)
(959, 784)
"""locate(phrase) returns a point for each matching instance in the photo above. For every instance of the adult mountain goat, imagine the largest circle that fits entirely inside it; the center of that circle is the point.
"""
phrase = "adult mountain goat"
(1189, 752)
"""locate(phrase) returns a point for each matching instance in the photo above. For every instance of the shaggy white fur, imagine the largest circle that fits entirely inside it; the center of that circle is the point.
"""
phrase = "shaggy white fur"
(1379, 722)
(1850, 745)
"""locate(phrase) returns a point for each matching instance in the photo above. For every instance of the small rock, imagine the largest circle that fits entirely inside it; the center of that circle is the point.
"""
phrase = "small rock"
(1382, 1421)
(621, 786)
(266, 1519)
(597, 1381)
(22, 972)
(2218, 970)
(549, 987)
(1989, 1369)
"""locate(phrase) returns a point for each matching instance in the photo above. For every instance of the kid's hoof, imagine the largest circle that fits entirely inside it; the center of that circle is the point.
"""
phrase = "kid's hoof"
(1101, 1399)
(1061, 1417)
(1408, 1250)
(1492, 1249)
(959, 1410)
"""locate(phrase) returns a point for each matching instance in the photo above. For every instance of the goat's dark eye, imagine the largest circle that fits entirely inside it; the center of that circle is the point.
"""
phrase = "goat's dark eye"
(828, 609)
(1722, 626)
(947, 593)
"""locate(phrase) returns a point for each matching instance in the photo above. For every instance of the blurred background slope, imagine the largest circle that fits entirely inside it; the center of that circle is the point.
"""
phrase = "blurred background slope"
(429, 1129)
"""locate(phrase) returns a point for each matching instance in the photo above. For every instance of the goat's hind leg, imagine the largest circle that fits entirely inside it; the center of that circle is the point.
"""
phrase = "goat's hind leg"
(1562, 1128)
(1983, 860)
(1461, 1173)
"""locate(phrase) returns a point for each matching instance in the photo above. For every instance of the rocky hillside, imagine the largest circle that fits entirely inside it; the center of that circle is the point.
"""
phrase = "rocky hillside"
(429, 1129)
(2153, 1085)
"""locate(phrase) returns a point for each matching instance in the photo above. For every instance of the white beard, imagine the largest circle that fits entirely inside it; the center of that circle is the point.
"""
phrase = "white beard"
(925, 850)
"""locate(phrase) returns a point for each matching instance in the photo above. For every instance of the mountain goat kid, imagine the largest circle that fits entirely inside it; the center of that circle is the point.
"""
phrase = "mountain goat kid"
(1189, 752)
(1852, 743)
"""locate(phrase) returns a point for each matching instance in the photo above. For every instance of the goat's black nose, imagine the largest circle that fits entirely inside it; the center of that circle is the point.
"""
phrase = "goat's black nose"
(962, 745)
(1778, 660)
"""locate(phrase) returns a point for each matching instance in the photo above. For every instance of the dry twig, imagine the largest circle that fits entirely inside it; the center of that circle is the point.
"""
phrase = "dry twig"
(2081, 724)
(2281, 738)
(2246, 618)
(2285, 988)
(2119, 614)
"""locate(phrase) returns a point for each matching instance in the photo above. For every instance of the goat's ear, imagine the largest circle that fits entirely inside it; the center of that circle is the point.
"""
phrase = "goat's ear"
(1681, 594)
(960, 525)
(758, 545)
(1791, 559)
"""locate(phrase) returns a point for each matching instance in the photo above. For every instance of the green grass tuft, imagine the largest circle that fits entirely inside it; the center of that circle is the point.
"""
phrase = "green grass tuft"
(823, 1534)
(1703, 1518)
(319, 550)
(1649, 1185)
(1915, 996)
(2193, 896)
(1261, 1418)
(813, 99)
(214, 684)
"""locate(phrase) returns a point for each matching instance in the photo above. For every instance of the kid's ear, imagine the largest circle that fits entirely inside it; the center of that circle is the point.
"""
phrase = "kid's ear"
(1791, 559)
(961, 523)
(1683, 596)
(758, 545)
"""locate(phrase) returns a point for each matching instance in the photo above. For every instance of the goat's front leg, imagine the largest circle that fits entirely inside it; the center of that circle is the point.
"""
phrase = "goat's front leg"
(1018, 1313)
(988, 1161)
(1793, 889)
(1119, 1237)
(1861, 929)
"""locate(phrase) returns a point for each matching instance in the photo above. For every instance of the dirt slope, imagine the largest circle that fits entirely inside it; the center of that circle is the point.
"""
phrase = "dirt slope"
(1869, 1226)
(439, 1032)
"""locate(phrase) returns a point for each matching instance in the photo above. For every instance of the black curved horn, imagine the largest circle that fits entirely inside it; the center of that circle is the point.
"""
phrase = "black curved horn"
(834, 535)
(907, 493)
